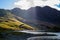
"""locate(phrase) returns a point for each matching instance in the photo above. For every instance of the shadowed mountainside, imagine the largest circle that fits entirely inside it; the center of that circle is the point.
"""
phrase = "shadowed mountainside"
(39, 16)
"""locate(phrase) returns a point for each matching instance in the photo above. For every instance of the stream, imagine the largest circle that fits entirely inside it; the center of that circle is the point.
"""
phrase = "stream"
(30, 35)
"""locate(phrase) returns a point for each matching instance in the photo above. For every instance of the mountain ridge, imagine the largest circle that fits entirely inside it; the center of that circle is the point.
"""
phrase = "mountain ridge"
(41, 13)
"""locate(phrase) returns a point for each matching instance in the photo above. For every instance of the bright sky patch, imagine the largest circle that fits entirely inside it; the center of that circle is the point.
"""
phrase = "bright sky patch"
(26, 4)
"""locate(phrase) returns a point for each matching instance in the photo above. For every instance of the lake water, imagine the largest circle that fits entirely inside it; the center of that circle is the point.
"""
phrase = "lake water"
(28, 35)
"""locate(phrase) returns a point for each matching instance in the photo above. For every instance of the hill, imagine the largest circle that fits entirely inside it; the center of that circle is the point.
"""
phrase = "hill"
(46, 14)
(9, 22)
(40, 17)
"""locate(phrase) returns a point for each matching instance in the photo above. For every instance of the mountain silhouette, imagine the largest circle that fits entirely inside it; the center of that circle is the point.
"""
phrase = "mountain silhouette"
(46, 13)
(26, 14)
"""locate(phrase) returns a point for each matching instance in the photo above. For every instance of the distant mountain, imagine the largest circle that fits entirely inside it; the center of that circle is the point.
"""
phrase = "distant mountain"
(48, 14)
(34, 14)
(17, 11)
(44, 18)
(26, 14)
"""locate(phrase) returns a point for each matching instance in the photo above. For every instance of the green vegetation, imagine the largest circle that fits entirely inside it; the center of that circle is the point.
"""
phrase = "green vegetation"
(9, 22)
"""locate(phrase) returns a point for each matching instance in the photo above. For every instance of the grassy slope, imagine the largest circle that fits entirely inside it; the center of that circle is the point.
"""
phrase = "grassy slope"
(13, 24)
(8, 21)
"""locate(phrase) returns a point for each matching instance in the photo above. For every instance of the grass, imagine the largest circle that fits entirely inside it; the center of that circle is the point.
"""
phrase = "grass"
(13, 24)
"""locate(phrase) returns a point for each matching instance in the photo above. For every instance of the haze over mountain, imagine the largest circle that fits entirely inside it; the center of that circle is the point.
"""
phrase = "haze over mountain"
(26, 14)
(42, 18)
(46, 14)
(45, 18)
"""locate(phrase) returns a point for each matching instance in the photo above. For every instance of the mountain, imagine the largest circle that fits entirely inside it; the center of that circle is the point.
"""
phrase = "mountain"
(40, 17)
(17, 10)
(46, 14)
(26, 14)
(9, 22)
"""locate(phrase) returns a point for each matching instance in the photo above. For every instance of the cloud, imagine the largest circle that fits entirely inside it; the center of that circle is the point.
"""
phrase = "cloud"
(26, 4)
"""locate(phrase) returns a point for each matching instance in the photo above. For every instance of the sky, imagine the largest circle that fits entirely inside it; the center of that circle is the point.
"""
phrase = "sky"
(26, 4)
(7, 4)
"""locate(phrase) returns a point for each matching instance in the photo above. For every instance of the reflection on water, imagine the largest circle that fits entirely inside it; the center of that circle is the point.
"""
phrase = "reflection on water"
(27, 36)
(43, 38)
